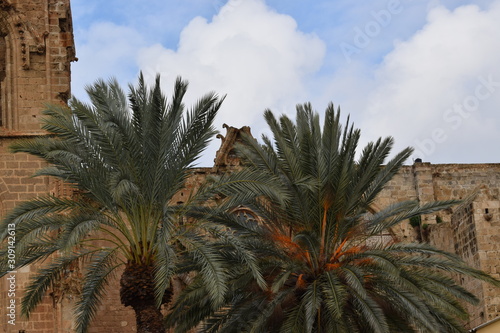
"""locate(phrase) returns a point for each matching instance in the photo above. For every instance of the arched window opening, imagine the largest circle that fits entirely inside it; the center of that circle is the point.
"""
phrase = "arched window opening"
(246, 216)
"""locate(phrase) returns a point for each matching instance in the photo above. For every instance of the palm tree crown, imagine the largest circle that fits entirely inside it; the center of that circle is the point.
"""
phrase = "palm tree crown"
(125, 158)
(313, 195)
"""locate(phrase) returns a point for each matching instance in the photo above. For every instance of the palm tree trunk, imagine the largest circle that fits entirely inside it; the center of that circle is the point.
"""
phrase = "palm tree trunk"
(149, 319)
(137, 291)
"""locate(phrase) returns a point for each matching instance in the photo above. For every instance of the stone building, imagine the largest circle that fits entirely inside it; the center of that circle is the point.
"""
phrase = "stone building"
(36, 50)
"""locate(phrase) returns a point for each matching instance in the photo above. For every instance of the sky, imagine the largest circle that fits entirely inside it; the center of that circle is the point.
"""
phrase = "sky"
(426, 72)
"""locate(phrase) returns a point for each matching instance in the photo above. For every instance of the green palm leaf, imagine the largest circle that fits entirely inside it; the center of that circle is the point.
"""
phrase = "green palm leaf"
(123, 158)
(313, 195)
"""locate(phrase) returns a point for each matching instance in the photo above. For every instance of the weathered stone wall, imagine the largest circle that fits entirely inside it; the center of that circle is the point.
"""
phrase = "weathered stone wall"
(471, 231)
(465, 244)
(487, 224)
(36, 48)
(16, 185)
(400, 188)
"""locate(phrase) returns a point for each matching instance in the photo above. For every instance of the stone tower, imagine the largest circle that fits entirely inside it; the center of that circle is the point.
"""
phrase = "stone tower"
(36, 49)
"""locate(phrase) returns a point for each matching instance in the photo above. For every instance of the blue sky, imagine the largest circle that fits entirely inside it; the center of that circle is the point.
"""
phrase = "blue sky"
(423, 71)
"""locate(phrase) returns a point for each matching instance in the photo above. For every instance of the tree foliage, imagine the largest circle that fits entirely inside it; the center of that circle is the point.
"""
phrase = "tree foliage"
(124, 158)
(323, 269)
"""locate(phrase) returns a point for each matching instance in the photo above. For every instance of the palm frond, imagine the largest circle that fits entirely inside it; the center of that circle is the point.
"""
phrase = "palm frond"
(45, 277)
(211, 268)
(124, 157)
(101, 267)
(312, 193)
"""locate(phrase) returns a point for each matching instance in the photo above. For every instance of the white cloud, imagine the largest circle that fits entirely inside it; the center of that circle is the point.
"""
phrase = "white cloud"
(404, 83)
(253, 54)
(105, 50)
(432, 91)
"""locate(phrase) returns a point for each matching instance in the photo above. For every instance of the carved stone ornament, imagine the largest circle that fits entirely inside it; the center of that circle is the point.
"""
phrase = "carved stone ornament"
(30, 41)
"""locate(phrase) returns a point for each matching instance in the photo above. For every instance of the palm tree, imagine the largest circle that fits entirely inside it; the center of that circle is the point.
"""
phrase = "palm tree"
(125, 159)
(321, 269)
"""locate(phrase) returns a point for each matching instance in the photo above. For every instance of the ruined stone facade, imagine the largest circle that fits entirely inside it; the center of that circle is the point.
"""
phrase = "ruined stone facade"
(36, 49)
(470, 230)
